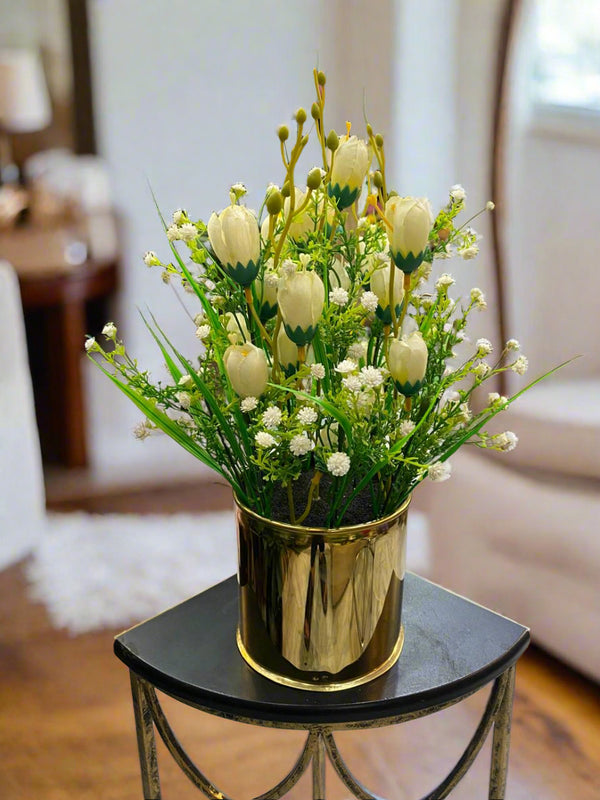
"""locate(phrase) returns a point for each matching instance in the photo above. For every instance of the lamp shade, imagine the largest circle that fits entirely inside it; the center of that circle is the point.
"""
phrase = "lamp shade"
(24, 100)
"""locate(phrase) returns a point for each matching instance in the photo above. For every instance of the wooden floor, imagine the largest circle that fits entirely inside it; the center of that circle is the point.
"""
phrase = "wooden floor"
(67, 733)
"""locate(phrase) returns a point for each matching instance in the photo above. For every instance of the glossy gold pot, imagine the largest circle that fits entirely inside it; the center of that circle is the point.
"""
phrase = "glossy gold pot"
(320, 609)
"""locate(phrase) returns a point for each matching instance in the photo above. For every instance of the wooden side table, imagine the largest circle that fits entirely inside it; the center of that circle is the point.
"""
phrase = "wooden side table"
(55, 297)
(452, 648)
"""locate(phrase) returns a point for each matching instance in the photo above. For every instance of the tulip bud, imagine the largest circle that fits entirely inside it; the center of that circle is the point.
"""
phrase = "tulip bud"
(283, 132)
(349, 170)
(411, 220)
(235, 239)
(247, 369)
(274, 201)
(285, 189)
(380, 285)
(332, 140)
(266, 293)
(315, 111)
(287, 353)
(379, 140)
(338, 276)
(301, 297)
(378, 179)
(369, 129)
(321, 79)
(407, 362)
(237, 330)
(300, 116)
(314, 178)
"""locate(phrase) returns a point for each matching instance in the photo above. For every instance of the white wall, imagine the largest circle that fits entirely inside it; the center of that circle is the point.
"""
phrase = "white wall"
(552, 226)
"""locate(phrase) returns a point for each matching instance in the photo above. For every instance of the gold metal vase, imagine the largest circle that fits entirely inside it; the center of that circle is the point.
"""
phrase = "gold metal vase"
(320, 609)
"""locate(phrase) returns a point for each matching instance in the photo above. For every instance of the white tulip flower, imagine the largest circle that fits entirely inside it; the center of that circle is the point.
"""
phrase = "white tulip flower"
(380, 286)
(301, 298)
(235, 239)
(407, 362)
(247, 369)
(411, 220)
(351, 162)
(237, 330)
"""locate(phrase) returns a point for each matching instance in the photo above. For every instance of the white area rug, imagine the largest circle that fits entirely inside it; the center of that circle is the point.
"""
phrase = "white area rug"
(114, 570)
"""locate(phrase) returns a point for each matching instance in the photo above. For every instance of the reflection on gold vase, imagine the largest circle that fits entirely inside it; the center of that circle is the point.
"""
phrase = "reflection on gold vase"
(321, 609)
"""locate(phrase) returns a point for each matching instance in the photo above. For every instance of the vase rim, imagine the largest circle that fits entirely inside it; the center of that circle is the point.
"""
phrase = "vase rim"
(315, 531)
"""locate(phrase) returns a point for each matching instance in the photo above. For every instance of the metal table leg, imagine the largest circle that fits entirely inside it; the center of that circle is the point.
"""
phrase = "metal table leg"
(318, 769)
(146, 743)
(501, 740)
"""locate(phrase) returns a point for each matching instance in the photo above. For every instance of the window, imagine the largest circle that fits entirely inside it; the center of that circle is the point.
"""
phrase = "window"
(566, 64)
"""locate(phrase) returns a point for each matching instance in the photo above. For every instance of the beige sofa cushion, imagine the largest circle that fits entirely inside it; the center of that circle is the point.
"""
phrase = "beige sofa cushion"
(558, 425)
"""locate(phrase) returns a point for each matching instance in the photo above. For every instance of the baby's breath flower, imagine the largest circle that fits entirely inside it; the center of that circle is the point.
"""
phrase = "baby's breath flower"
(439, 471)
(151, 259)
(184, 399)
(369, 301)
(141, 430)
(457, 193)
(365, 400)
(468, 252)
(179, 216)
(353, 383)
(248, 404)
(449, 397)
(357, 350)
(90, 344)
(482, 370)
(506, 441)
(346, 366)
(200, 318)
(202, 331)
(186, 381)
(406, 426)
(338, 464)
(237, 190)
(188, 231)
(307, 415)
(288, 267)
(264, 439)
(110, 330)
(371, 376)
(300, 444)
(464, 413)
(338, 296)
(444, 281)
(165, 277)
(478, 299)
(484, 347)
(317, 371)
(490, 205)
(520, 366)
(271, 280)
(173, 233)
(271, 418)
(513, 344)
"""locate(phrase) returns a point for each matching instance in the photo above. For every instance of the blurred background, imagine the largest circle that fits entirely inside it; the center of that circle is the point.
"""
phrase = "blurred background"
(104, 102)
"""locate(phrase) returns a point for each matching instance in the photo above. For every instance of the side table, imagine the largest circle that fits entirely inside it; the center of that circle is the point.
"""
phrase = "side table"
(62, 297)
(452, 648)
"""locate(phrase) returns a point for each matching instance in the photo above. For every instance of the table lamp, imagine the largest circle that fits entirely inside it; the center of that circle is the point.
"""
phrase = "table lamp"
(24, 102)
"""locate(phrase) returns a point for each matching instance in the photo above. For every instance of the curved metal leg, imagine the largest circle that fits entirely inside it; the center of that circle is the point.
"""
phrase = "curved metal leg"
(320, 745)
(497, 711)
(318, 768)
(501, 740)
(145, 739)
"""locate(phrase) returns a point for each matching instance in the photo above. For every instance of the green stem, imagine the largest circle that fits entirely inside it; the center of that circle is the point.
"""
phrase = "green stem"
(314, 484)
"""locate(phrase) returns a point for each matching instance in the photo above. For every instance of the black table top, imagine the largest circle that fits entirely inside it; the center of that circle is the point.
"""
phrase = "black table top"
(451, 648)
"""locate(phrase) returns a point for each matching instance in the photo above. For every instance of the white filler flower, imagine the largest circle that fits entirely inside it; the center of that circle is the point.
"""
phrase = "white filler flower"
(439, 471)
(338, 464)
(300, 445)
(248, 404)
(307, 415)
(264, 439)
(271, 418)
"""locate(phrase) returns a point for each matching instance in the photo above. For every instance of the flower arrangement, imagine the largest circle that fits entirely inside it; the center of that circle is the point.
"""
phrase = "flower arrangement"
(328, 384)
